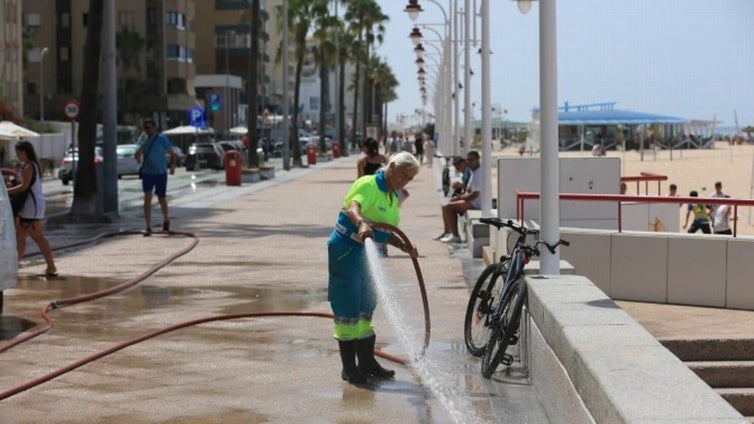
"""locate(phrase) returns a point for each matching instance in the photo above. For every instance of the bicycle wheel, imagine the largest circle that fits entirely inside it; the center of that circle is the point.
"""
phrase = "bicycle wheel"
(446, 181)
(482, 304)
(505, 332)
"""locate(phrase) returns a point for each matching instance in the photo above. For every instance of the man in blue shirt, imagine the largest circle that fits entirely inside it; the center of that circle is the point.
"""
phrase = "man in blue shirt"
(153, 147)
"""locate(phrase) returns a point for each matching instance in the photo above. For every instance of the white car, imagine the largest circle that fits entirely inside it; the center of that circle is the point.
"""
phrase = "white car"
(127, 164)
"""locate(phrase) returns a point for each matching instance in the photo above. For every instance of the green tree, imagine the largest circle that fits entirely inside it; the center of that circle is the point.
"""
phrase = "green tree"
(85, 190)
(326, 31)
(300, 19)
(346, 45)
(384, 82)
(134, 92)
(366, 20)
(253, 84)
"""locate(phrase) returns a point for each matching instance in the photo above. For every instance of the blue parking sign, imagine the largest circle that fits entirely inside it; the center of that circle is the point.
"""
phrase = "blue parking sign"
(215, 102)
(196, 117)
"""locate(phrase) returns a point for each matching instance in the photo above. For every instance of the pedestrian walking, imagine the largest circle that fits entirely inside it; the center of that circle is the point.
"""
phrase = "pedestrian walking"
(29, 218)
(151, 154)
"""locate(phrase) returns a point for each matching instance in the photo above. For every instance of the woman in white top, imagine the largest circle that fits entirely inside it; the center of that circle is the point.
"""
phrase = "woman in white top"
(29, 219)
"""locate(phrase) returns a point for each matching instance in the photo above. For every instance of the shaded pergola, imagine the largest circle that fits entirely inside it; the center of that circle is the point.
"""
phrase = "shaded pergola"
(583, 126)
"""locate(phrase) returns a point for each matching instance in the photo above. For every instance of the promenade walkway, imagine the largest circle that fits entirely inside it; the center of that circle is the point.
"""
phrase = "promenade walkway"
(261, 249)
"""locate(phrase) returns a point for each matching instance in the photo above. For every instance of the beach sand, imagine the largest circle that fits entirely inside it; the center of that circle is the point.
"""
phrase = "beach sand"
(688, 169)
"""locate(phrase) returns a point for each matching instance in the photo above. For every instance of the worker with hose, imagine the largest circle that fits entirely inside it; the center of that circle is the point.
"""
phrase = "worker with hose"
(371, 200)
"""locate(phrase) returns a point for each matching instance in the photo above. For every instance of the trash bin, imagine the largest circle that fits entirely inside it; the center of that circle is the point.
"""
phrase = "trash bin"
(232, 164)
(335, 149)
(311, 154)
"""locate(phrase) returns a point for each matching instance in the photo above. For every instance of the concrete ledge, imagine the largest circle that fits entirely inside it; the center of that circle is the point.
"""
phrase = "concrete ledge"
(621, 373)
(251, 176)
(267, 172)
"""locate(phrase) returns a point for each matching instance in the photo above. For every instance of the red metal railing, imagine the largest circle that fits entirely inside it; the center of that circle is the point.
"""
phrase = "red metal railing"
(619, 199)
(646, 177)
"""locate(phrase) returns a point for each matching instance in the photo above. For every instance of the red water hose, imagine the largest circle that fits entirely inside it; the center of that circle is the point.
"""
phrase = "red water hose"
(56, 304)
(71, 301)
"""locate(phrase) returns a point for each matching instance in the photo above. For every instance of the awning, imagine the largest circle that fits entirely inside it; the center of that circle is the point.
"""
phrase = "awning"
(188, 129)
(614, 117)
(11, 131)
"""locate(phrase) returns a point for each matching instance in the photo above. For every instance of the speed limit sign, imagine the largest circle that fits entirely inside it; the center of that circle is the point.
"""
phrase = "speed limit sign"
(71, 109)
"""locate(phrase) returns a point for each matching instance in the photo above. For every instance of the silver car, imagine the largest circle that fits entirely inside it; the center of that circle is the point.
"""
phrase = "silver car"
(127, 164)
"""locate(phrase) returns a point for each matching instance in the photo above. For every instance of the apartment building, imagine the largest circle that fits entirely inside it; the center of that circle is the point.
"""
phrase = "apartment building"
(156, 45)
(224, 55)
(11, 60)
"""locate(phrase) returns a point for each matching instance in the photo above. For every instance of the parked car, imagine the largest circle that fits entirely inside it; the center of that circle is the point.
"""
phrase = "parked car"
(231, 145)
(180, 157)
(127, 164)
(204, 155)
(65, 173)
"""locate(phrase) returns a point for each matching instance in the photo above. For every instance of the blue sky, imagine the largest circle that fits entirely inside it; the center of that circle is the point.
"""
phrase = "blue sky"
(688, 58)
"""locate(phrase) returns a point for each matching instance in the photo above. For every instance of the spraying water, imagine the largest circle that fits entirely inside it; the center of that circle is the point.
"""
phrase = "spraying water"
(433, 374)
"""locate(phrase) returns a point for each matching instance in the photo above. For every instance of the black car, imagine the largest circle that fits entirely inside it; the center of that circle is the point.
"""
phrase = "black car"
(204, 155)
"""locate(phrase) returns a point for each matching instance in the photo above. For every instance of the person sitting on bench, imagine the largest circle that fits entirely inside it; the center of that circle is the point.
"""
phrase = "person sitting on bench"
(469, 199)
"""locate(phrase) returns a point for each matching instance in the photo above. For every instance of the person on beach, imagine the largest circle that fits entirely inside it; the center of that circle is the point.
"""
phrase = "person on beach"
(719, 191)
(371, 199)
(154, 172)
(701, 216)
(720, 217)
(29, 219)
(673, 191)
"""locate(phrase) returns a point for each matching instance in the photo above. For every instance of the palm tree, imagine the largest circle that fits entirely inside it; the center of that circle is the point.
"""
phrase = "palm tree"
(133, 91)
(364, 16)
(253, 82)
(300, 17)
(85, 189)
(385, 82)
(346, 45)
(325, 55)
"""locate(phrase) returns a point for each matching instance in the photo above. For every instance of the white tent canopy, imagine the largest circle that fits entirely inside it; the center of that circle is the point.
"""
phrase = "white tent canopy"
(11, 131)
(188, 129)
(239, 130)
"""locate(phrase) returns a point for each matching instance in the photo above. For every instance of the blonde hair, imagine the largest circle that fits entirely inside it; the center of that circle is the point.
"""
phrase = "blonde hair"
(404, 160)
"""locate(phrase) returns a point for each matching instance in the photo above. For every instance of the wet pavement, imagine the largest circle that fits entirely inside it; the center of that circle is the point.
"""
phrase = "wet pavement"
(261, 249)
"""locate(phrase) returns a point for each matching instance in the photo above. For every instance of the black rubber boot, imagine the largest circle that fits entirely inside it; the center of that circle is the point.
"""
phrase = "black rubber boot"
(350, 372)
(367, 364)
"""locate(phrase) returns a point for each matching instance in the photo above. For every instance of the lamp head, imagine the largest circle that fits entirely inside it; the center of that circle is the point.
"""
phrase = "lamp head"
(413, 9)
(415, 36)
(419, 50)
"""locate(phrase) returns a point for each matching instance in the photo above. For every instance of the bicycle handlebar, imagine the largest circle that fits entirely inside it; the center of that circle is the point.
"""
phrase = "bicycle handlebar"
(520, 229)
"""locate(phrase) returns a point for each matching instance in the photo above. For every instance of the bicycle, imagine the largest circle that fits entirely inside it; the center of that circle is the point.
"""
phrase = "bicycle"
(494, 309)
(445, 174)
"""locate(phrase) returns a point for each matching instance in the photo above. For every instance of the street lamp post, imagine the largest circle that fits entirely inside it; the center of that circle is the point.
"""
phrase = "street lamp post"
(42, 54)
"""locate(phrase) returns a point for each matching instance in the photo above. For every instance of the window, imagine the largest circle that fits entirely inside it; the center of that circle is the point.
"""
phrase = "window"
(126, 19)
(65, 20)
(63, 54)
(172, 51)
(151, 16)
(176, 86)
(175, 20)
(85, 19)
(31, 88)
(33, 20)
